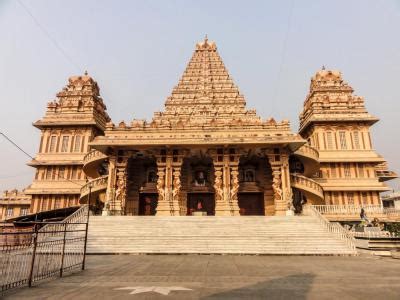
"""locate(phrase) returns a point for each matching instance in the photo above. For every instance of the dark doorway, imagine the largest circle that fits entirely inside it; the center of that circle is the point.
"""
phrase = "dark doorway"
(147, 204)
(201, 202)
(251, 204)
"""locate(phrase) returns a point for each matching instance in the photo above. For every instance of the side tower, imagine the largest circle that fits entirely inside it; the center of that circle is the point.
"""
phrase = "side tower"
(71, 121)
(336, 122)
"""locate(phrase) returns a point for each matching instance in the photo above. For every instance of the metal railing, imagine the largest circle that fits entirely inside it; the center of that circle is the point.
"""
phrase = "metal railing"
(30, 255)
(334, 228)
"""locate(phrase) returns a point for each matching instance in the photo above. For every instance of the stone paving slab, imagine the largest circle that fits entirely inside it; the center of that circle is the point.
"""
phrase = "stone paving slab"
(225, 277)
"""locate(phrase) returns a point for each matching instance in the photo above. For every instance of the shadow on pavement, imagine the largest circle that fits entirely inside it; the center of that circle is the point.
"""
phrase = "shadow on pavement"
(289, 287)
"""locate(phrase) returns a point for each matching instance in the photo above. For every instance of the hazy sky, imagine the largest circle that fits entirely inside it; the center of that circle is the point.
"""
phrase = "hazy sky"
(137, 50)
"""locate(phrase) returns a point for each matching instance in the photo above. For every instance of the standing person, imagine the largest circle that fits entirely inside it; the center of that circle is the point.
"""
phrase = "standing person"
(363, 215)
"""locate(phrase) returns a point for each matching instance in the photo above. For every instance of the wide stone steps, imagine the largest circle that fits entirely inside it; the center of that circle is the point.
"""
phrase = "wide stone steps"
(207, 235)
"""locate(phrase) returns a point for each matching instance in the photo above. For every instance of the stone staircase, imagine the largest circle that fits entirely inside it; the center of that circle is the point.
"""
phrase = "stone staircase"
(286, 235)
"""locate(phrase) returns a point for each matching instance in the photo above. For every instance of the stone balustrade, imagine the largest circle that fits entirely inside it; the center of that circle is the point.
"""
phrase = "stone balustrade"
(334, 228)
(308, 151)
(91, 161)
(98, 184)
(347, 212)
(93, 155)
(372, 234)
(307, 184)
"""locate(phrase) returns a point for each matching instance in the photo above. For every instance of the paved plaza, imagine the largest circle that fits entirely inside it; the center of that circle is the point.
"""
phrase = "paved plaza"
(224, 277)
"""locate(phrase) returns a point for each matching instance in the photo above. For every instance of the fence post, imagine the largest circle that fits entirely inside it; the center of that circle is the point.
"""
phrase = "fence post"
(87, 227)
(35, 238)
(63, 250)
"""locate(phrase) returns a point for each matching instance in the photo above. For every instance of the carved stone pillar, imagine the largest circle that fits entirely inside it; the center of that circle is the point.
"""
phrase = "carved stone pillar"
(169, 183)
(226, 183)
(162, 204)
(234, 188)
(221, 205)
(280, 180)
(117, 205)
(110, 186)
(287, 193)
(176, 188)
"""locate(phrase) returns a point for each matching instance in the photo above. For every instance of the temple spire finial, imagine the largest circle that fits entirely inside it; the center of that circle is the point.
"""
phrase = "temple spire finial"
(86, 73)
(206, 39)
(323, 67)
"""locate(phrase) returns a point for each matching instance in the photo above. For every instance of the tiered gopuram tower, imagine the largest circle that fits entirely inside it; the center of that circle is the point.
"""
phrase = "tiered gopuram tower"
(336, 122)
(70, 123)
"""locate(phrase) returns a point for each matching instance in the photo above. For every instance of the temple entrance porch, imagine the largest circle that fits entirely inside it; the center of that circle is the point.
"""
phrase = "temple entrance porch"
(224, 181)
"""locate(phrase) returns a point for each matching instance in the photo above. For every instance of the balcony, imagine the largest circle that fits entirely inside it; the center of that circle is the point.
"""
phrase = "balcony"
(92, 161)
(352, 212)
(309, 187)
(99, 186)
(309, 156)
(383, 173)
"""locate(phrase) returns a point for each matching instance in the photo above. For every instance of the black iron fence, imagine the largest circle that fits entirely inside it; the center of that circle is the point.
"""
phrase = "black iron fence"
(42, 250)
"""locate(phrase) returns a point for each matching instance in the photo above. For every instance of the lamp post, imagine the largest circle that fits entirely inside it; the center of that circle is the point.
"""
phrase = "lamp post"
(90, 185)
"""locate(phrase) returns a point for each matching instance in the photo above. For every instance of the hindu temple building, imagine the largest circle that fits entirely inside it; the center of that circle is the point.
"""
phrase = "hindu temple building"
(206, 152)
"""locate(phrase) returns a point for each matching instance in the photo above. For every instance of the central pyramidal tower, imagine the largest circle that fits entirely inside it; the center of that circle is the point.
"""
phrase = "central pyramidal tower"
(206, 93)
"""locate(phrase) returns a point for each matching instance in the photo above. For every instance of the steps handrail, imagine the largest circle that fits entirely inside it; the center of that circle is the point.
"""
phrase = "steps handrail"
(75, 221)
(335, 228)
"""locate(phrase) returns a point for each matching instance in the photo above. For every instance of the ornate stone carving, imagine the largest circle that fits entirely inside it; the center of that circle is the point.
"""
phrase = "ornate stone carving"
(176, 185)
(219, 193)
(234, 185)
(120, 192)
(161, 184)
(276, 185)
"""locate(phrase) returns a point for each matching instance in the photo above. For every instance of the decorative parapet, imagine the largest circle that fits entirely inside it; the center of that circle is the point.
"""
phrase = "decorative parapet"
(307, 184)
(99, 184)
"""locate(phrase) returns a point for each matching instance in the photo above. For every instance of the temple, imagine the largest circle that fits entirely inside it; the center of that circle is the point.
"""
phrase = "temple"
(206, 153)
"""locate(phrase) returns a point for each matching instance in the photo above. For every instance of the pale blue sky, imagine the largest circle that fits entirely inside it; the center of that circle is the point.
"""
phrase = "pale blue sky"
(137, 50)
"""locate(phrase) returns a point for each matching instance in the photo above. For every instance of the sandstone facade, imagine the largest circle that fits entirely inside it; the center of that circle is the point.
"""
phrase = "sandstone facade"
(206, 152)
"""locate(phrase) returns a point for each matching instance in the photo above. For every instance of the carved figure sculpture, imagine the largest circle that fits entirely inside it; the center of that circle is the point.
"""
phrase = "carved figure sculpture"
(177, 185)
(121, 188)
(200, 178)
(219, 193)
(276, 186)
(235, 185)
(161, 185)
